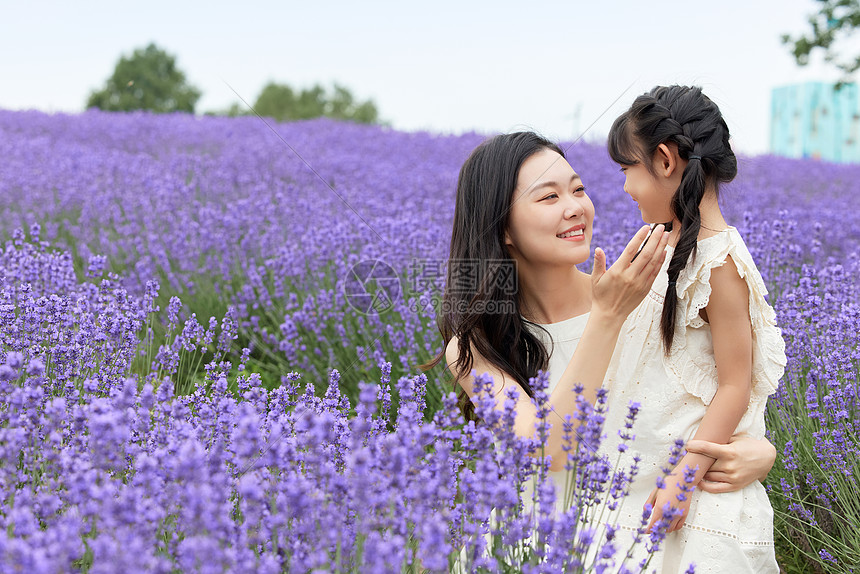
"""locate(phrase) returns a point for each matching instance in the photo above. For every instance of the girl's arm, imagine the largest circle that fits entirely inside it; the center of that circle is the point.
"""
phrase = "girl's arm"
(731, 329)
(616, 292)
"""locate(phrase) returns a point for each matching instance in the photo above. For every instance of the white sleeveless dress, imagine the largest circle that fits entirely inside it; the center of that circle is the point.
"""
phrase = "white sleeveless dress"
(563, 338)
(731, 532)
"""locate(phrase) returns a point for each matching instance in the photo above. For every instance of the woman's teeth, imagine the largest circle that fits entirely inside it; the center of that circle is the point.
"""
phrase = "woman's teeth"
(571, 233)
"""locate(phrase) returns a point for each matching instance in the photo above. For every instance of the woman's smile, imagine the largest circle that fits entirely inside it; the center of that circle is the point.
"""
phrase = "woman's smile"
(575, 233)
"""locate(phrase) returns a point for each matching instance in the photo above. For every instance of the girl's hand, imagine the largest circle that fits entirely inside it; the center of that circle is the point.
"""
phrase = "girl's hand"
(673, 495)
(618, 290)
(738, 464)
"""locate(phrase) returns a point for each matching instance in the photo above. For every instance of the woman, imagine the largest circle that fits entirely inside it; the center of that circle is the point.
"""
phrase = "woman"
(520, 201)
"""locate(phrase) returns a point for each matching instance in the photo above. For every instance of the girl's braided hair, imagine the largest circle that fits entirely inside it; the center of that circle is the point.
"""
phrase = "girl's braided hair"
(686, 117)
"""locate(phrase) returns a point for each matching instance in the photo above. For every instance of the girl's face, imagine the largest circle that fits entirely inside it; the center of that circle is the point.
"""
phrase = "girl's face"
(653, 193)
(551, 215)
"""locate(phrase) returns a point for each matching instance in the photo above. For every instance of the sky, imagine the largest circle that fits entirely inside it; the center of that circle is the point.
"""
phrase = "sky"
(563, 68)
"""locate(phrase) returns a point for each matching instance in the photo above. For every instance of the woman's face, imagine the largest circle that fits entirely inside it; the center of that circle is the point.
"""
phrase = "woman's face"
(551, 215)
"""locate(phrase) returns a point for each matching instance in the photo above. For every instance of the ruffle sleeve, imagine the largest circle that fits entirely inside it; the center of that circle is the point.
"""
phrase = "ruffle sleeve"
(692, 357)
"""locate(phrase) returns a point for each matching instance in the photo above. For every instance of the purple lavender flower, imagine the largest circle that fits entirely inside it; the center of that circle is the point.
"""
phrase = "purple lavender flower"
(201, 211)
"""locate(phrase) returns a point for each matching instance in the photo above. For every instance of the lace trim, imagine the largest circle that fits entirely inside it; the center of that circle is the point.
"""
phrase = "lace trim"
(709, 531)
(656, 297)
(694, 291)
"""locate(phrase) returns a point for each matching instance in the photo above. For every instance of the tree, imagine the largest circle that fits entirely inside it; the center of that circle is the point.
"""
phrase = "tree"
(834, 21)
(147, 80)
(281, 102)
(233, 111)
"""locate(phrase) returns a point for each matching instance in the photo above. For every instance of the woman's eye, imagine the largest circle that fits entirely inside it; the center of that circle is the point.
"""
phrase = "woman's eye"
(580, 189)
(551, 196)
(623, 169)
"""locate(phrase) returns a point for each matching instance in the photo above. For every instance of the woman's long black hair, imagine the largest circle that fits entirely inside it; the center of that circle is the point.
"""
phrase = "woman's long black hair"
(479, 305)
(689, 119)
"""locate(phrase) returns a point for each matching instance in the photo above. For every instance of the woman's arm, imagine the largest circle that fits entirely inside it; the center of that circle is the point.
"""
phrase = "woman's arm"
(616, 292)
(738, 464)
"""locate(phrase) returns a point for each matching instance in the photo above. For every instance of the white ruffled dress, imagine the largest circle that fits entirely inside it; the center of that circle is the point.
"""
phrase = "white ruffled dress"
(730, 532)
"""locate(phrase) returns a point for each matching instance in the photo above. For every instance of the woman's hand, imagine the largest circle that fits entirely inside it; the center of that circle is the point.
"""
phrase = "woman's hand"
(619, 289)
(738, 464)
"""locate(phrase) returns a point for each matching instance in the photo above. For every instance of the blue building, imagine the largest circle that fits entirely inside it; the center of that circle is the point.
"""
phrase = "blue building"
(815, 120)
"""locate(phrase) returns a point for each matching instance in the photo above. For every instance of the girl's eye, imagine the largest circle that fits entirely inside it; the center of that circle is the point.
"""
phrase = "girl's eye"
(551, 196)
(580, 189)
(623, 169)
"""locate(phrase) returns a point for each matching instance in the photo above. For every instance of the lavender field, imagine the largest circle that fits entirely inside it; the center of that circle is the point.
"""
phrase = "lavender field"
(194, 378)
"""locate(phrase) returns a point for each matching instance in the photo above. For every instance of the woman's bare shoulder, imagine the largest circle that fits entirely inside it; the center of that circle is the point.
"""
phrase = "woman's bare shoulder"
(478, 364)
(452, 352)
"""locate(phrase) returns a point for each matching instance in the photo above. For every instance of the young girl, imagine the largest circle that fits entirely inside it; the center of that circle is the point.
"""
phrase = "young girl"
(520, 201)
(702, 352)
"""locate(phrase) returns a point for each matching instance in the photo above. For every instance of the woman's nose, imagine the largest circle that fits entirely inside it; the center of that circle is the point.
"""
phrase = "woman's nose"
(574, 208)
